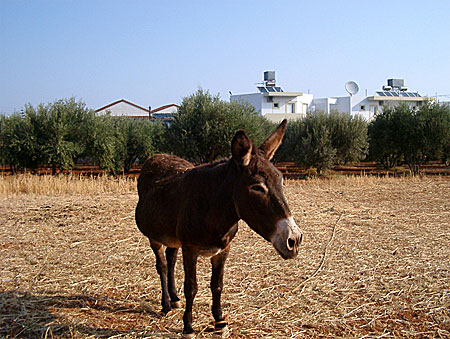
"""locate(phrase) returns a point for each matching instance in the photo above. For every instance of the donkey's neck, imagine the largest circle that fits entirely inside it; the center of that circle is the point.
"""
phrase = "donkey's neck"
(217, 184)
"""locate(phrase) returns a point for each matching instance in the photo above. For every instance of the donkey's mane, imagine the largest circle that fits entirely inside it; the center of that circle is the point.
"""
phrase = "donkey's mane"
(215, 163)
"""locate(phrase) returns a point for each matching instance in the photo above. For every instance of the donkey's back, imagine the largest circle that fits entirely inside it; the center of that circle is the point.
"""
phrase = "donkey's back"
(158, 169)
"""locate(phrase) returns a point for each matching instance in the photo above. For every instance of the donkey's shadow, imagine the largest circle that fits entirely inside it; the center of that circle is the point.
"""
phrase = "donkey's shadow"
(27, 315)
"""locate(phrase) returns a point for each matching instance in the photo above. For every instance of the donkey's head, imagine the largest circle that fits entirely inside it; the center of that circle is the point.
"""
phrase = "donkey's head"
(258, 192)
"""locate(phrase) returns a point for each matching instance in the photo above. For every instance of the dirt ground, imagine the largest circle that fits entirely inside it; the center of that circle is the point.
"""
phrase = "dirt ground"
(375, 263)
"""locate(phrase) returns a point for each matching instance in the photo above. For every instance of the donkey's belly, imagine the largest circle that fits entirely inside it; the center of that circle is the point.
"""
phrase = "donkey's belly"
(161, 232)
(167, 238)
(209, 252)
(170, 242)
(154, 221)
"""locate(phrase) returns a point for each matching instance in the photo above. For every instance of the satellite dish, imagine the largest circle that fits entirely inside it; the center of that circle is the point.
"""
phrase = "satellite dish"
(351, 87)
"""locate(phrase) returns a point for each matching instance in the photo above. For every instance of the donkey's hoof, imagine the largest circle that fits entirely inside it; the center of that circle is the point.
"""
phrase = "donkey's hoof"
(166, 310)
(175, 304)
(220, 326)
(188, 335)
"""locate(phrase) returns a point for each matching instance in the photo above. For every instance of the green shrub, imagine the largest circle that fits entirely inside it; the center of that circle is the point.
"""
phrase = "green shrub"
(204, 126)
(18, 146)
(51, 135)
(117, 143)
(402, 134)
(323, 140)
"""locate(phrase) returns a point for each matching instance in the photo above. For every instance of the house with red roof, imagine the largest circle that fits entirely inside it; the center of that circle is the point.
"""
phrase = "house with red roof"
(125, 108)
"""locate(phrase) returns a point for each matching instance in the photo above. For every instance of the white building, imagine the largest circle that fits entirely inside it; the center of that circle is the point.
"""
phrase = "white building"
(273, 103)
(391, 95)
(164, 113)
(125, 108)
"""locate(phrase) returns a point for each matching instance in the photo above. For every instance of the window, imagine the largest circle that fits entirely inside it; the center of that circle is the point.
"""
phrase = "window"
(363, 107)
(276, 105)
(373, 110)
(290, 107)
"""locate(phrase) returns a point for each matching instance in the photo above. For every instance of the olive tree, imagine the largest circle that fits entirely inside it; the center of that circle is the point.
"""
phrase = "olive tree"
(383, 143)
(115, 143)
(348, 136)
(59, 131)
(413, 136)
(204, 126)
(18, 146)
(136, 140)
(323, 140)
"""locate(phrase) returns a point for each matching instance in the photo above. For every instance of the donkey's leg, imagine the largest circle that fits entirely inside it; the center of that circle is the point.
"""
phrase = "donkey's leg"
(218, 263)
(161, 268)
(190, 288)
(171, 256)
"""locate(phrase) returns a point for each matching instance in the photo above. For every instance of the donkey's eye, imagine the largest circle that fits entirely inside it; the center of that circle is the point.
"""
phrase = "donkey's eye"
(259, 188)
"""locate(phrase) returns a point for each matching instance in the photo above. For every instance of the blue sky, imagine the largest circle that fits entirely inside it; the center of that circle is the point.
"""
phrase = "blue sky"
(157, 52)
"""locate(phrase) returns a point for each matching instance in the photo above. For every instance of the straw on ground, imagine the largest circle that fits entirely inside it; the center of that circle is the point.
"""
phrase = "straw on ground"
(374, 263)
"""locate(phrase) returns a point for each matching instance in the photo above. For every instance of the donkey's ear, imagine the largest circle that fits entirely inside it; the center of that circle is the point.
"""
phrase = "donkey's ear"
(270, 146)
(241, 148)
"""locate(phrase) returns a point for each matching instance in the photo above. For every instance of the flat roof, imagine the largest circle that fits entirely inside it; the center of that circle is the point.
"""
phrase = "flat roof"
(283, 94)
(385, 98)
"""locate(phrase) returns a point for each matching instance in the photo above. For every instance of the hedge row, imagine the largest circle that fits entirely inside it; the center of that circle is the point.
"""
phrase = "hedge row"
(399, 135)
(323, 140)
(402, 135)
(59, 134)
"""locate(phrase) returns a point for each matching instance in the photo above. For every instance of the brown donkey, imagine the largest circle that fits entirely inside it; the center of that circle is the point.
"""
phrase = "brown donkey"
(198, 208)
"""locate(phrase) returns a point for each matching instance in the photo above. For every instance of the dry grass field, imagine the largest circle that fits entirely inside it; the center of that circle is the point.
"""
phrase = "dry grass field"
(374, 264)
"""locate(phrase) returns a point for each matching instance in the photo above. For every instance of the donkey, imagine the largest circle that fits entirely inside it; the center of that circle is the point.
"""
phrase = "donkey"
(197, 209)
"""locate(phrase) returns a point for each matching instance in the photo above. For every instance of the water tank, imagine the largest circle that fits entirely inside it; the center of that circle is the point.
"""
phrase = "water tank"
(396, 83)
(269, 76)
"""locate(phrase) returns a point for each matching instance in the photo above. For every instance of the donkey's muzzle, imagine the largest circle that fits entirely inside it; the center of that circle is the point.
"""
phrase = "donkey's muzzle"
(287, 238)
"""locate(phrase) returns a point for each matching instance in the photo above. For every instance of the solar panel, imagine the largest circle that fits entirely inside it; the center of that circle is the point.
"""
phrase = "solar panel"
(409, 94)
(267, 89)
(398, 94)
(262, 89)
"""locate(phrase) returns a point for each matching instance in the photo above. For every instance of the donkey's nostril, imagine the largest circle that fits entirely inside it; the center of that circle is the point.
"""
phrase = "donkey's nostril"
(290, 243)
